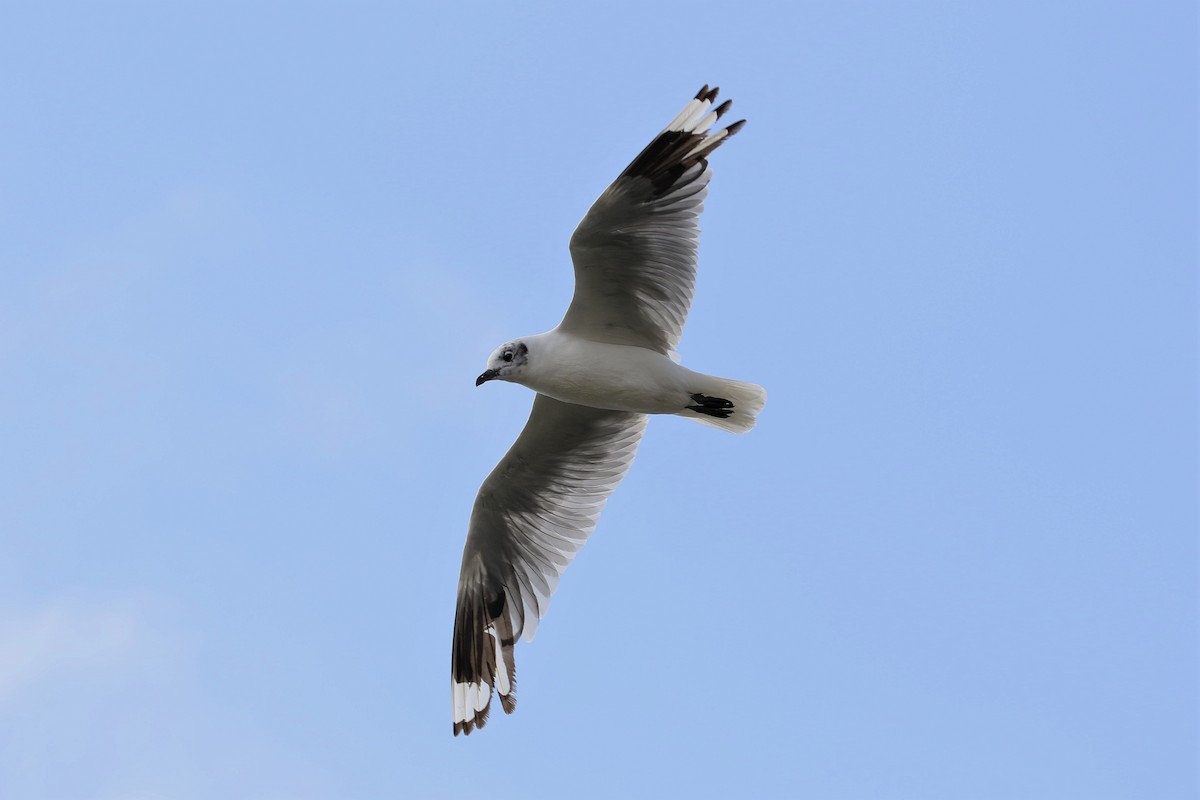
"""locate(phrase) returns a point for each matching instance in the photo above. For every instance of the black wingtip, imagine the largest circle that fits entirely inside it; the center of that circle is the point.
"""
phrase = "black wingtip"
(475, 723)
(674, 151)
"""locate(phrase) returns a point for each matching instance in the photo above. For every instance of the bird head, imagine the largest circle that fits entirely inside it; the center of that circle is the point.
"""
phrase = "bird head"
(506, 363)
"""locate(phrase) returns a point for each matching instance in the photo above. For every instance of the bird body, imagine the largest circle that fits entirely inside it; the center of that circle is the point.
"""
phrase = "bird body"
(617, 377)
(608, 364)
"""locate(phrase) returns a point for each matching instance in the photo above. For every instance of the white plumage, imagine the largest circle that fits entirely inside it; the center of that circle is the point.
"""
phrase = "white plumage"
(609, 363)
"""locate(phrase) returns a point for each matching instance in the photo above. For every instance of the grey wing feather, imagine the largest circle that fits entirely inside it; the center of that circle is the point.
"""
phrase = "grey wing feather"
(635, 250)
(532, 515)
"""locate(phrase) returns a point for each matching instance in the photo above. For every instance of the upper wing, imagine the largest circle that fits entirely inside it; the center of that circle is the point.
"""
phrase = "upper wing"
(635, 250)
(533, 513)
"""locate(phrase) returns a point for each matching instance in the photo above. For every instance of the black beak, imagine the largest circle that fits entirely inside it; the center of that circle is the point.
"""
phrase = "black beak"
(485, 377)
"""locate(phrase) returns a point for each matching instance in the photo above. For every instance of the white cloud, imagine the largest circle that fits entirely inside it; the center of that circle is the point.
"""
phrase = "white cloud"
(61, 638)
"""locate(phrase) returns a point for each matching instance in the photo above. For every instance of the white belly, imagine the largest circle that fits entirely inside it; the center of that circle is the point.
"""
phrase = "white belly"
(610, 376)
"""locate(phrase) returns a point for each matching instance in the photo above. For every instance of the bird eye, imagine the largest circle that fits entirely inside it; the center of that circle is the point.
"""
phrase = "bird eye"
(507, 355)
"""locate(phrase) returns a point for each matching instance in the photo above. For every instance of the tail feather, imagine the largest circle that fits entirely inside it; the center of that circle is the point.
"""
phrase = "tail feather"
(726, 404)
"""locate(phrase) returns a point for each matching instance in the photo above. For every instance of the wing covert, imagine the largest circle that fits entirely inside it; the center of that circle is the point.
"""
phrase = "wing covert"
(532, 515)
(635, 250)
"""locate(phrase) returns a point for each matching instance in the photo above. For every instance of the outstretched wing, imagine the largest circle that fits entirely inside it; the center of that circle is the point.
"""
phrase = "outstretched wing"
(533, 513)
(635, 250)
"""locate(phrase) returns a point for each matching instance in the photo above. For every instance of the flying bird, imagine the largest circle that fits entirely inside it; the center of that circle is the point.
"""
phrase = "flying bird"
(609, 363)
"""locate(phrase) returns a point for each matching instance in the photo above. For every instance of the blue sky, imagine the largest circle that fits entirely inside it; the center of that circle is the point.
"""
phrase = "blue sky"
(252, 257)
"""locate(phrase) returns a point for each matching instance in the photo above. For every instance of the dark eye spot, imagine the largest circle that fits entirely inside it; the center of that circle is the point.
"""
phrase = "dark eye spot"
(507, 355)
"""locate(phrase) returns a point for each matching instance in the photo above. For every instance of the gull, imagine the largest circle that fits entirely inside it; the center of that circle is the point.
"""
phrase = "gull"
(608, 364)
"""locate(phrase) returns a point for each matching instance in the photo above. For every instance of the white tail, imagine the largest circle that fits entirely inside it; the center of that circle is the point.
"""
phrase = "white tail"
(725, 404)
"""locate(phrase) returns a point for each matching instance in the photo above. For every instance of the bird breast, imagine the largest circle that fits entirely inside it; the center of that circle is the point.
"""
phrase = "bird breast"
(611, 376)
